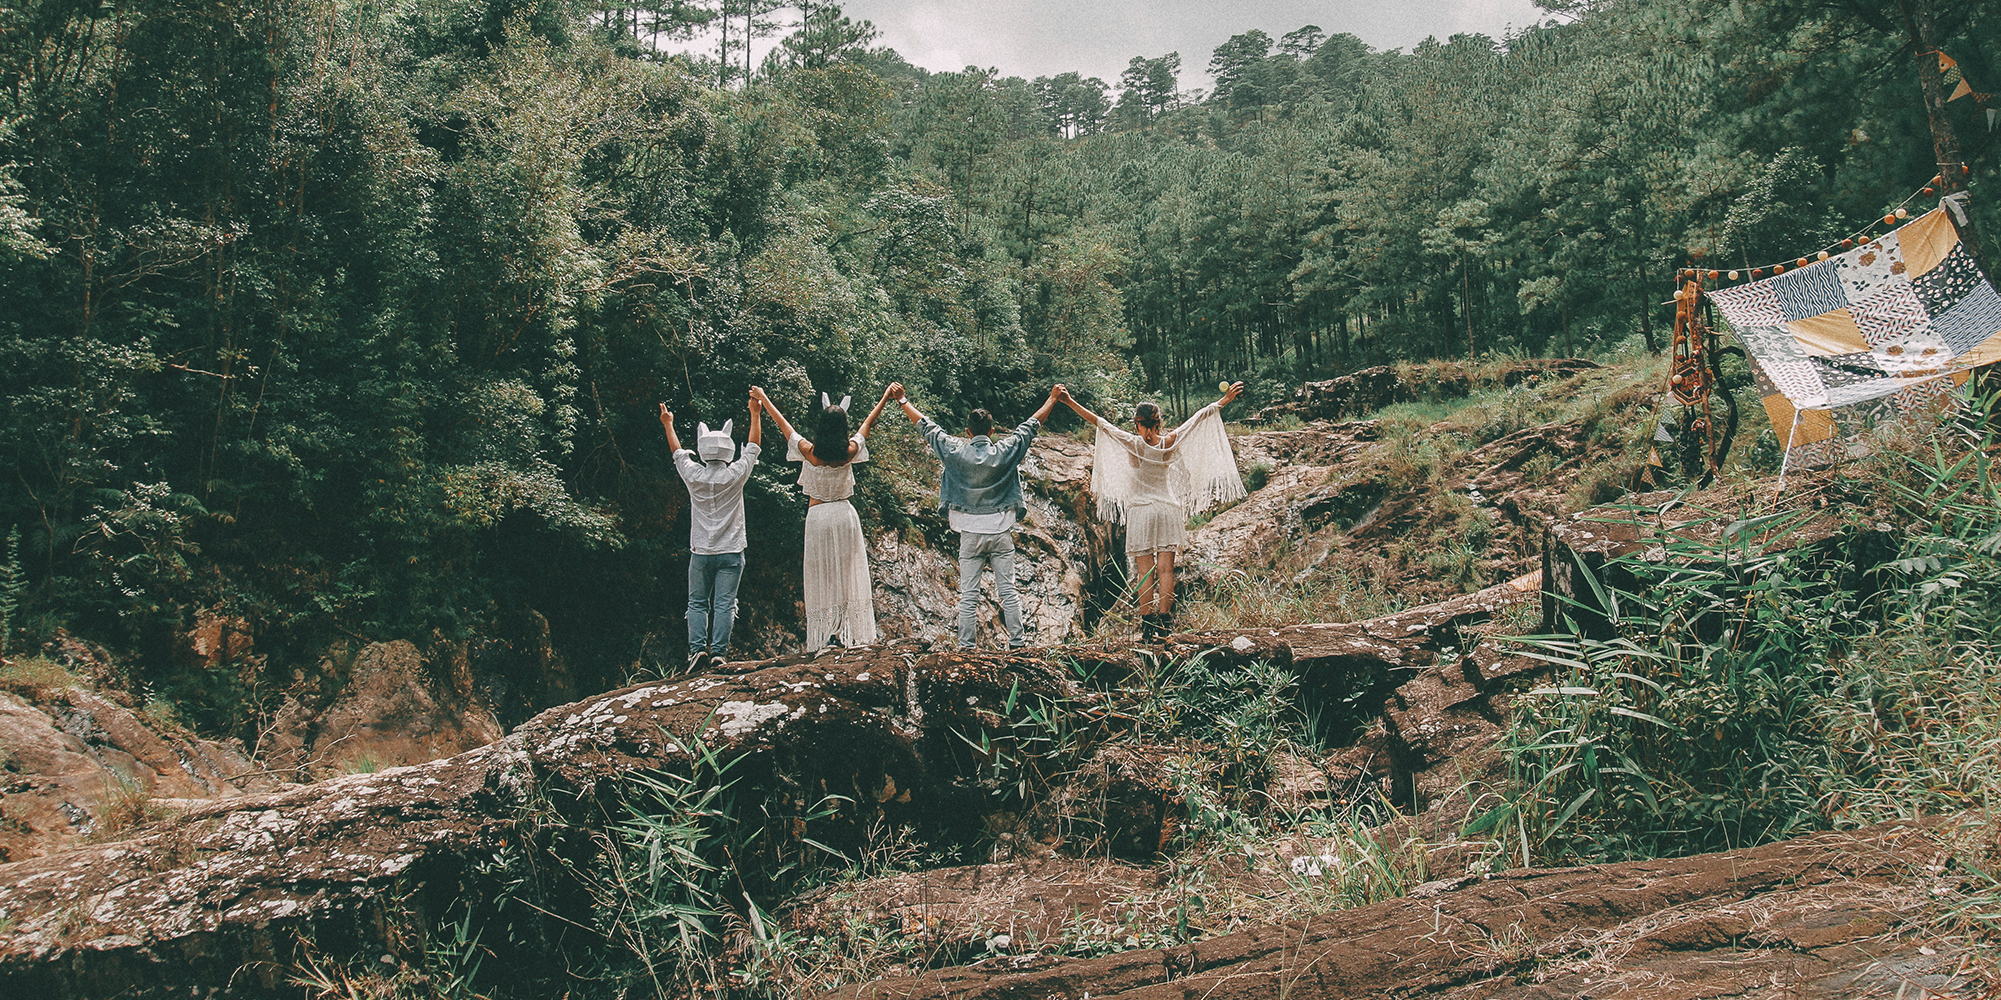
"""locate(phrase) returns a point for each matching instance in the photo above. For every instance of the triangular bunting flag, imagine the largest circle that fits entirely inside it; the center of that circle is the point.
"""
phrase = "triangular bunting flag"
(1992, 115)
(1961, 91)
(1946, 62)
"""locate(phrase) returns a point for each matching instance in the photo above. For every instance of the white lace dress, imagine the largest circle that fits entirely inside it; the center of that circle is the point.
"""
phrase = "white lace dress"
(839, 599)
(1155, 490)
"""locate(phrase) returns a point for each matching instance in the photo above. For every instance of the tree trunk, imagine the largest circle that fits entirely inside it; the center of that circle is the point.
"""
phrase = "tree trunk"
(1472, 936)
(1951, 166)
(1646, 313)
(1466, 303)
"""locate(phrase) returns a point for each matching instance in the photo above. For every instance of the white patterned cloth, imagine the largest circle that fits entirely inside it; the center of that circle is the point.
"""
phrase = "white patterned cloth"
(1882, 321)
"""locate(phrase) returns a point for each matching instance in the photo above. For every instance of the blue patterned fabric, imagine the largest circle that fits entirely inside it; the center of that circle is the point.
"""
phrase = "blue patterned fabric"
(1810, 291)
(1971, 321)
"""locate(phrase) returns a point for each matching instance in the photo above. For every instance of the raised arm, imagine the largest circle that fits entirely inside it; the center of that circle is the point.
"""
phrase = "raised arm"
(1235, 389)
(757, 396)
(1063, 396)
(756, 423)
(876, 410)
(1042, 415)
(667, 424)
(903, 399)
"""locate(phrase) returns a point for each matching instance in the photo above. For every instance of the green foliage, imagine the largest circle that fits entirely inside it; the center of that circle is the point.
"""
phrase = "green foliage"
(365, 333)
(1756, 691)
(673, 884)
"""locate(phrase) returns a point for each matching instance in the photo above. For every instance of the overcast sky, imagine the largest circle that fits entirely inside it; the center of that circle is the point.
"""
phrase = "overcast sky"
(1034, 38)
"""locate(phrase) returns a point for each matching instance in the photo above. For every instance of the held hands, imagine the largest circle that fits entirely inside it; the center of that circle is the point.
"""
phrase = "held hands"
(893, 391)
(1058, 393)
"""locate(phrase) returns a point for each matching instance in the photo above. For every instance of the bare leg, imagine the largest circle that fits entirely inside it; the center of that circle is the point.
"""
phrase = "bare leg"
(1164, 601)
(1143, 583)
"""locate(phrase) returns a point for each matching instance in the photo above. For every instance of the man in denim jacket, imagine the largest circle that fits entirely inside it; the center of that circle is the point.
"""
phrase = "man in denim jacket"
(981, 496)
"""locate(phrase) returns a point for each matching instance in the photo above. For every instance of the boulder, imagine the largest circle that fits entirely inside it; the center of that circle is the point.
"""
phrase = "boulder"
(228, 892)
(1289, 507)
(216, 640)
(388, 707)
(76, 767)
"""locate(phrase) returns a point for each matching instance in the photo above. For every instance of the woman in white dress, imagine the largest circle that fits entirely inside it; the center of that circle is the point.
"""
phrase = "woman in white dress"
(1155, 482)
(839, 601)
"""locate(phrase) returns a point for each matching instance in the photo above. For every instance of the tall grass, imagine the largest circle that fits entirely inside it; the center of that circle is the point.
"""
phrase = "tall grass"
(1754, 692)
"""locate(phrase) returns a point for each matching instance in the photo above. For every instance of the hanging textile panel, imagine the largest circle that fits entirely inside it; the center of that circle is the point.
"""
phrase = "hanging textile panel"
(1900, 319)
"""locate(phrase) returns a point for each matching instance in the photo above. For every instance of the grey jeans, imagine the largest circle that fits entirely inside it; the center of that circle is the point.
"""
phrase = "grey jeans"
(977, 551)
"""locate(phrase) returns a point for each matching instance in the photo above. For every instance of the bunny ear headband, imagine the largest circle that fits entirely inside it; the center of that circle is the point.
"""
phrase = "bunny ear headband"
(845, 400)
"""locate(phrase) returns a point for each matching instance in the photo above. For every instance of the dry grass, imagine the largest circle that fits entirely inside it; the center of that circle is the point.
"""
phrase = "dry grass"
(37, 676)
(125, 806)
(1274, 597)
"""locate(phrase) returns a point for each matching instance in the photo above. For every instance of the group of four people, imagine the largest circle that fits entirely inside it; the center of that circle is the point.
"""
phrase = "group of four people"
(1151, 479)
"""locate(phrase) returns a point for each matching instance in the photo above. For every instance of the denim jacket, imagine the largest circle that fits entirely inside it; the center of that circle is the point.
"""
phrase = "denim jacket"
(981, 476)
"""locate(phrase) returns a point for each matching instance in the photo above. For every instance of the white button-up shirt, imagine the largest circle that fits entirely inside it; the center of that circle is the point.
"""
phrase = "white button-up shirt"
(715, 500)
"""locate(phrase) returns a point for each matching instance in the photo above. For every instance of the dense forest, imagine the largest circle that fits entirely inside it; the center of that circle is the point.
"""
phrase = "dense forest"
(351, 319)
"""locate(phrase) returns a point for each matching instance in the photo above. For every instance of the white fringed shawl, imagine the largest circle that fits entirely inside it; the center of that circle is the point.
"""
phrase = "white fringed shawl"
(1201, 470)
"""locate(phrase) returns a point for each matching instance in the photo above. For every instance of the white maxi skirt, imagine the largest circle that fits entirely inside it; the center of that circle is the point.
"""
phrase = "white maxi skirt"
(839, 600)
(1153, 527)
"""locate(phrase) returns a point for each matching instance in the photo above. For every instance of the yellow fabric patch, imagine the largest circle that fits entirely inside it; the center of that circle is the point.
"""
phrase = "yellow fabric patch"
(1828, 334)
(1779, 410)
(1926, 240)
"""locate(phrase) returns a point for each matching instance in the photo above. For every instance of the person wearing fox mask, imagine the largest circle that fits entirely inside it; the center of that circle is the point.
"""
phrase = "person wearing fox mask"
(715, 528)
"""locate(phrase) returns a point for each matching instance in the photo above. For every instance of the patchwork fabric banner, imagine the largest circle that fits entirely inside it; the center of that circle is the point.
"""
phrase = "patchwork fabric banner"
(1898, 320)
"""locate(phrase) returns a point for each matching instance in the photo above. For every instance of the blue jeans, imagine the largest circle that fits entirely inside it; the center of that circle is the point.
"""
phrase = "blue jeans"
(712, 583)
(977, 551)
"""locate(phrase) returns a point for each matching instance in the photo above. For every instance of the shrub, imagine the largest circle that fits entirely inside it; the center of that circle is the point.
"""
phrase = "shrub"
(1752, 694)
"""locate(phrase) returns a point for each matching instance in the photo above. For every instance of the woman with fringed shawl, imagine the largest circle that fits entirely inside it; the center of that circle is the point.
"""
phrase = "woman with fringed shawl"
(1154, 482)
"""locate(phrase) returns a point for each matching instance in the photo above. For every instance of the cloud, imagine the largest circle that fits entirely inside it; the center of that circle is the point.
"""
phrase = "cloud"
(1043, 37)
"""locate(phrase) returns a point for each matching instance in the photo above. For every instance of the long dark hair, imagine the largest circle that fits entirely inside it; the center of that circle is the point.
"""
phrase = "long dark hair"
(830, 436)
(1147, 414)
